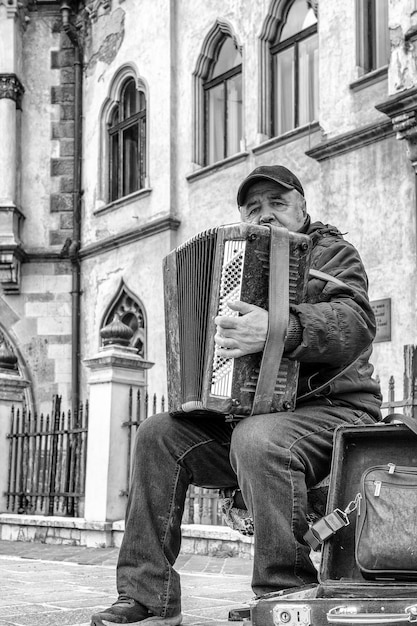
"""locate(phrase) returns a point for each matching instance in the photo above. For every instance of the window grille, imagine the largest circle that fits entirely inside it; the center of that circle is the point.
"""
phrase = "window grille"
(294, 68)
(127, 142)
(373, 43)
(223, 103)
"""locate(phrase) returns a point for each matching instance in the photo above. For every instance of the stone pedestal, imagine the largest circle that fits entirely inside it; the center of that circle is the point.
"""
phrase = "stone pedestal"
(12, 393)
(112, 372)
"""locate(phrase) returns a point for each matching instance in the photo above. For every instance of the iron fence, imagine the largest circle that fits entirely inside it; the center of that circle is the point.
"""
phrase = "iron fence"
(141, 405)
(409, 401)
(47, 454)
(201, 505)
(47, 461)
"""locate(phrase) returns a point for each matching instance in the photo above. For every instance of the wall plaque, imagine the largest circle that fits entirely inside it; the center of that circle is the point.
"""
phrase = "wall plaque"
(382, 312)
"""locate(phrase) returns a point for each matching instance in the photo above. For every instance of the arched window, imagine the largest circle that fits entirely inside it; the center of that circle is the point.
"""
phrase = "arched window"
(127, 142)
(294, 69)
(217, 100)
(373, 43)
(223, 103)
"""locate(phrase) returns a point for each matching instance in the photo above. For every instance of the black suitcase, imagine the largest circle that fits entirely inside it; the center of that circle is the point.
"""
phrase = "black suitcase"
(343, 595)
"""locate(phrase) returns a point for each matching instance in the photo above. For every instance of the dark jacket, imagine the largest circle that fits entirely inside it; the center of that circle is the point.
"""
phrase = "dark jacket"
(338, 326)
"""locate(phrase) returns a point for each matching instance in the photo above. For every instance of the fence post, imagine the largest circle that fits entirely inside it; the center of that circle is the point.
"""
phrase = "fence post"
(410, 380)
(12, 393)
(113, 371)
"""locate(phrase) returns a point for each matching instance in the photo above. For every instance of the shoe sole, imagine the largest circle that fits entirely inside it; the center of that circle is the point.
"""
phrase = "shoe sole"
(155, 620)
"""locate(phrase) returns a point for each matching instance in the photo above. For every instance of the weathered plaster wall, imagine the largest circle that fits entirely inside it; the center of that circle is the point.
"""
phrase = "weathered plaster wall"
(367, 192)
(341, 108)
(145, 37)
(370, 194)
(140, 266)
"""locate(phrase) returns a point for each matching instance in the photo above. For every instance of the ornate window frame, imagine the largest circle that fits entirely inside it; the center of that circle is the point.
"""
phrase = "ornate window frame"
(212, 42)
(129, 70)
(276, 17)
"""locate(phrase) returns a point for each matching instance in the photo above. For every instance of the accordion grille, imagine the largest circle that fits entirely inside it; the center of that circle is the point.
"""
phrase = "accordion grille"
(194, 278)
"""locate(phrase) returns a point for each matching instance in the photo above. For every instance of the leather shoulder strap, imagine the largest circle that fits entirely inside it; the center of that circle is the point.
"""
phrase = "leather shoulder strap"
(279, 307)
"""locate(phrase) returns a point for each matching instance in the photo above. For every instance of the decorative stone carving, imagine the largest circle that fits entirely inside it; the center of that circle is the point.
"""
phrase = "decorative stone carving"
(126, 318)
(12, 88)
(17, 8)
(405, 126)
(116, 333)
(314, 4)
(10, 263)
(8, 360)
(401, 108)
(11, 251)
(12, 6)
(96, 8)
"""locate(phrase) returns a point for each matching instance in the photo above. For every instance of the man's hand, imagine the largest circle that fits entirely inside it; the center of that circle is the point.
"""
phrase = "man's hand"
(246, 334)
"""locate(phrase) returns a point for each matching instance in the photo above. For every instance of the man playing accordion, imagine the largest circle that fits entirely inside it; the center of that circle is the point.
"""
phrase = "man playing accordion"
(273, 458)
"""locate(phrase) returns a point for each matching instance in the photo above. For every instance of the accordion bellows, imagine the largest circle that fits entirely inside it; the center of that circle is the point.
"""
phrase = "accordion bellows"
(201, 277)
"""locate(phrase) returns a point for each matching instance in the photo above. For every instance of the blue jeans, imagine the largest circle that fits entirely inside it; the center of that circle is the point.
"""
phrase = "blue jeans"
(273, 458)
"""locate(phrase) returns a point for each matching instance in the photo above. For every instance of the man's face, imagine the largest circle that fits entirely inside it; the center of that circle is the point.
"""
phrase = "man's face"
(269, 202)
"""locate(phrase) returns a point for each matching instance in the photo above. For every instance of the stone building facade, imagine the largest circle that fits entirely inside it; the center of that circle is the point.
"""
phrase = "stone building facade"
(126, 127)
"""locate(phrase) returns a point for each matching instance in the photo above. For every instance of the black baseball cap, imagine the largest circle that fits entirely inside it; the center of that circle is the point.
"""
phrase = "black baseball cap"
(277, 173)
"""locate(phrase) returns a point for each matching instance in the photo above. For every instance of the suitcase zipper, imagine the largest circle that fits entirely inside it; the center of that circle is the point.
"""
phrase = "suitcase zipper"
(392, 469)
(378, 484)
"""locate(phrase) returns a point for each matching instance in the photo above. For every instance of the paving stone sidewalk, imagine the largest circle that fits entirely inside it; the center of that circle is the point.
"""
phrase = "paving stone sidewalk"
(47, 585)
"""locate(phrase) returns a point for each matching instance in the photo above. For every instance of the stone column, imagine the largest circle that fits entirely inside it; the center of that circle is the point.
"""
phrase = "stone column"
(12, 394)
(12, 22)
(113, 371)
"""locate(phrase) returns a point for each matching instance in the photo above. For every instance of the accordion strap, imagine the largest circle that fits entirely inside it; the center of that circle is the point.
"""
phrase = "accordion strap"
(278, 320)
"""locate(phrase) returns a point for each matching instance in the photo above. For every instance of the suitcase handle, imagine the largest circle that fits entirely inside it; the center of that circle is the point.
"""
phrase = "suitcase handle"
(349, 615)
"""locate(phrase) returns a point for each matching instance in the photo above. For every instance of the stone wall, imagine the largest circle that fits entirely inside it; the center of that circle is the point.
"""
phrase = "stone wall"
(41, 326)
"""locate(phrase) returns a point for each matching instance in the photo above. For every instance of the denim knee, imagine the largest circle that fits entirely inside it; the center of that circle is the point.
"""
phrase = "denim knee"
(152, 432)
(251, 446)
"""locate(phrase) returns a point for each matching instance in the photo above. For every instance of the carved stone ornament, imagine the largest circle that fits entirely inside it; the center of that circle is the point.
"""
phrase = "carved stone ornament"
(405, 126)
(12, 7)
(314, 4)
(125, 314)
(17, 8)
(401, 108)
(12, 88)
(96, 8)
(10, 264)
(8, 360)
(116, 333)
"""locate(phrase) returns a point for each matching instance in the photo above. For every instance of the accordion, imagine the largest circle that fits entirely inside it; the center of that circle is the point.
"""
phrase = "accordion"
(262, 265)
